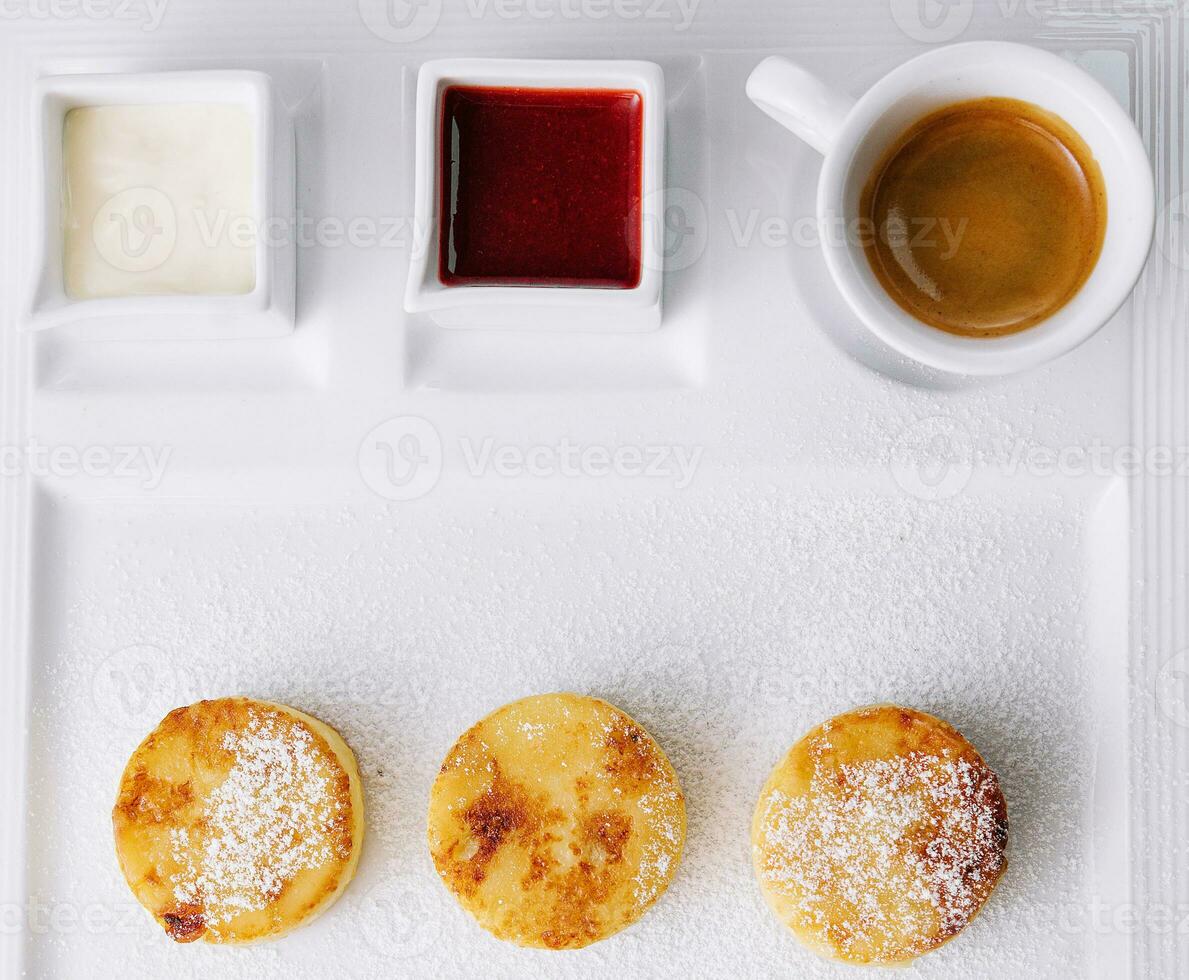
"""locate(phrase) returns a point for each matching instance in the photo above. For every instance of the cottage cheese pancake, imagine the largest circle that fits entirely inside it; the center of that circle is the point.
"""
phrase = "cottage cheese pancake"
(556, 821)
(238, 820)
(880, 836)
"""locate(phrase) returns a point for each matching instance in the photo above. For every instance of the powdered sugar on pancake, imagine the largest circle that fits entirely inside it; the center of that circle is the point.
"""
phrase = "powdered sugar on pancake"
(263, 825)
(888, 857)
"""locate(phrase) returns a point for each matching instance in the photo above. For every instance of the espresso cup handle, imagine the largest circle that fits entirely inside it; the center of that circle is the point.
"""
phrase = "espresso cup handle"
(799, 101)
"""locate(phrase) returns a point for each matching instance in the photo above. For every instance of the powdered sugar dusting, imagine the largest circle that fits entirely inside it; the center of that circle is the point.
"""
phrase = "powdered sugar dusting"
(886, 858)
(264, 824)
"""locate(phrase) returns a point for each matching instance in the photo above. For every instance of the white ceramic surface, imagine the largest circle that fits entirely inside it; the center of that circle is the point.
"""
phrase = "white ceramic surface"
(854, 135)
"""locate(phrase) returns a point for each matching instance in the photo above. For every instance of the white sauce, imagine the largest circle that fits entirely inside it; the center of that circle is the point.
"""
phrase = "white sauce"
(158, 200)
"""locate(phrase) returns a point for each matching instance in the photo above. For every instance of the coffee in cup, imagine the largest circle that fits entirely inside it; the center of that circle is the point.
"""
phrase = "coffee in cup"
(985, 217)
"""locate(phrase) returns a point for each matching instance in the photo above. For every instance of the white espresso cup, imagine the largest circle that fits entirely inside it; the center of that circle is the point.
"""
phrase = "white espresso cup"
(854, 136)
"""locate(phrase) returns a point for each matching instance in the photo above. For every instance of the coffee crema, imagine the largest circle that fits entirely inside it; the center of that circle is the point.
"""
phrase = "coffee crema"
(986, 217)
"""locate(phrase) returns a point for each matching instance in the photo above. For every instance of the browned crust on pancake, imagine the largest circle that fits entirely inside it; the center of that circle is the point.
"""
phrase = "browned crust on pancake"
(565, 874)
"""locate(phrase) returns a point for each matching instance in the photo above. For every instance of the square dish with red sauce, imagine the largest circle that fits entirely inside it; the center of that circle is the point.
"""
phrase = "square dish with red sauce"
(539, 194)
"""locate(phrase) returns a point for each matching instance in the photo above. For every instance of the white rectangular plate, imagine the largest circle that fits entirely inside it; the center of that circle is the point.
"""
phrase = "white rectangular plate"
(774, 565)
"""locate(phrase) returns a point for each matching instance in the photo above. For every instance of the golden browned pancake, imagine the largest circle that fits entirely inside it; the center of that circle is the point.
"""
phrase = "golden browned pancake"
(238, 820)
(556, 821)
(880, 835)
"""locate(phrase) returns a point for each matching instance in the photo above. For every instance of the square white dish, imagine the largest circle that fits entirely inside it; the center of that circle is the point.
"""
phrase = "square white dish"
(268, 308)
(537, 307)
